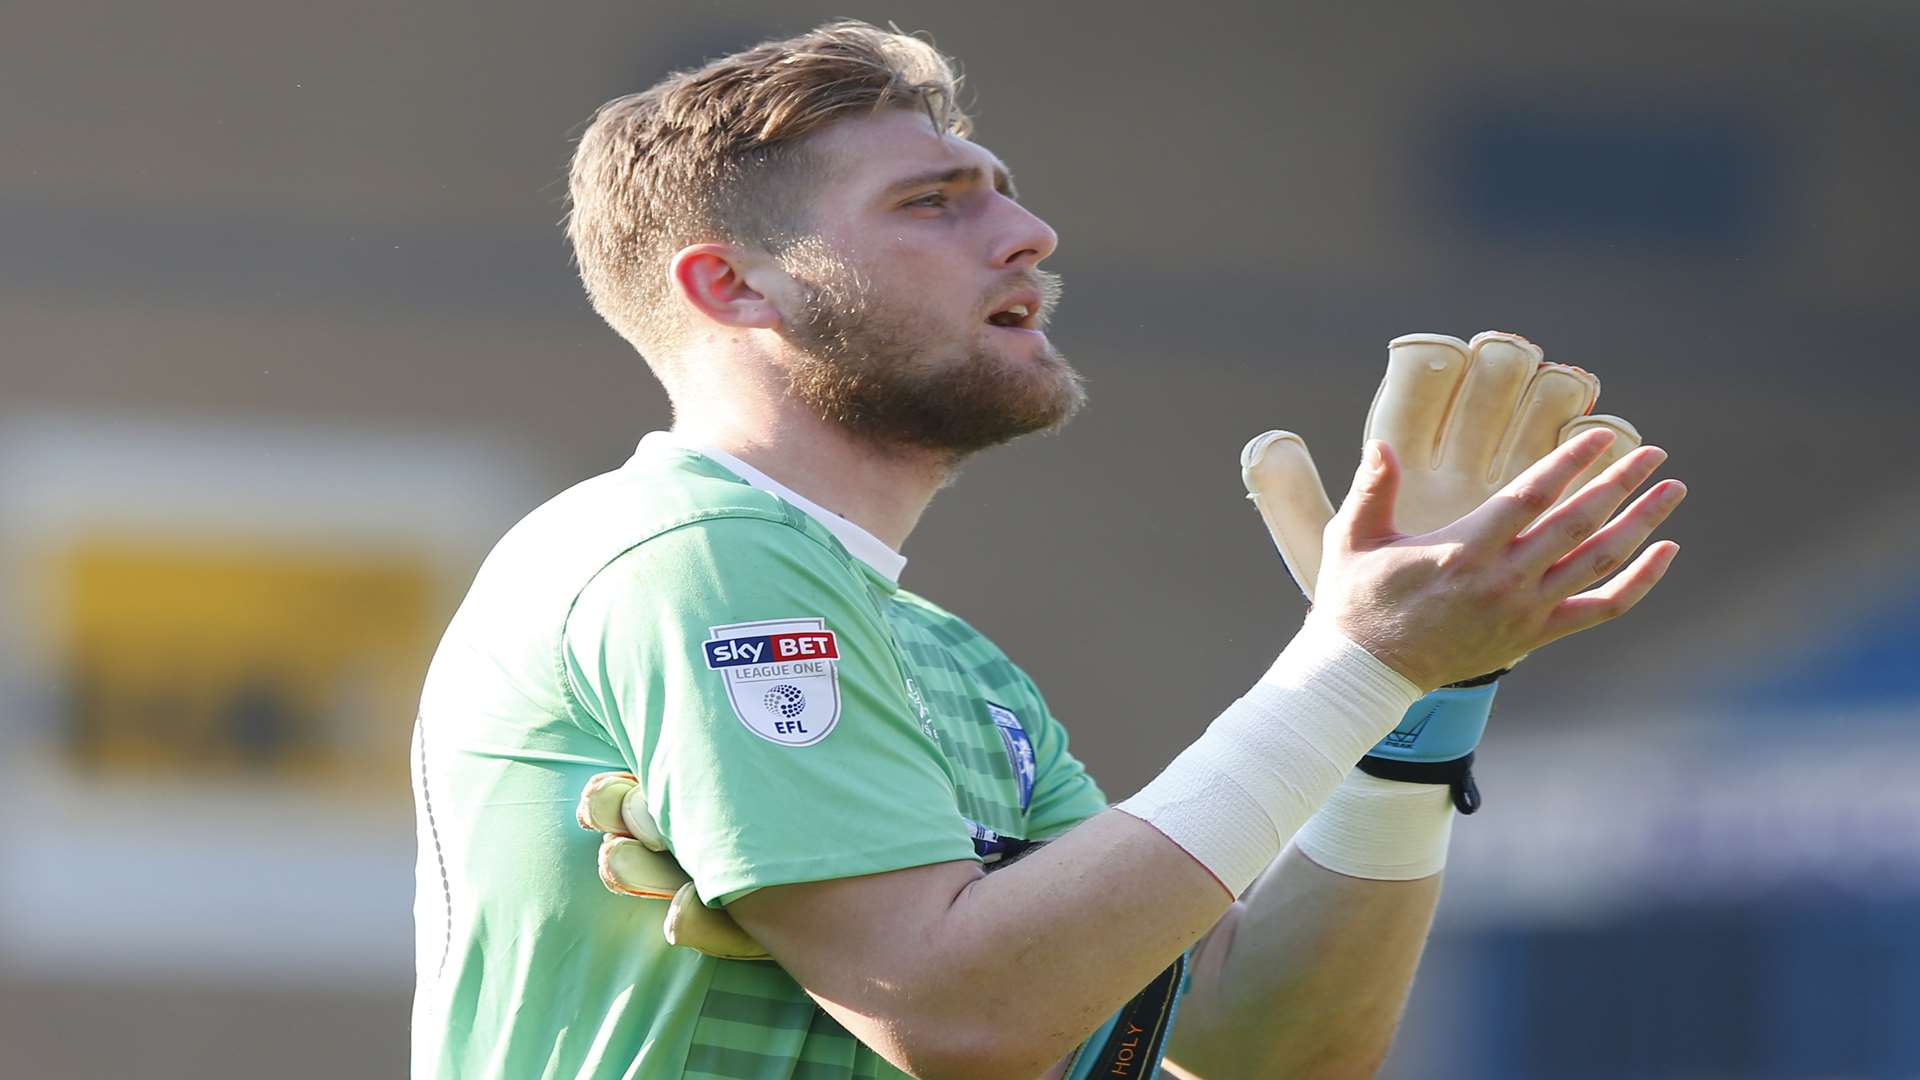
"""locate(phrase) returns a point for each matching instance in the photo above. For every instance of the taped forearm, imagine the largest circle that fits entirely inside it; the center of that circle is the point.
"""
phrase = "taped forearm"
(1383, 830)
(1235, 797)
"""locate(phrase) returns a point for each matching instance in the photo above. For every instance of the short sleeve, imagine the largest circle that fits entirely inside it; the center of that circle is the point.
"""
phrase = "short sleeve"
(744, 669)
(1064, 793)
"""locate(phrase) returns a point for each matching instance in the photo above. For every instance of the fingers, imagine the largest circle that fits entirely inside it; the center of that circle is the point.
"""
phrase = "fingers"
(1556, 395)
(1603, 552)
(1534, 491)
(1410, 408)
(1578, 518)
(613, 803)
(694, 925)
(1626, 439)
(1616, 597)
(629, 868)
(1285, 487)
(1501, 368)
(639, 820)
(1367, 515)
(599, 809)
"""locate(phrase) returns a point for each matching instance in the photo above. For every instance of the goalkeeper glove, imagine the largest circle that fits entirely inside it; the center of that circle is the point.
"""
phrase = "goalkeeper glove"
(634, 861)
(1464, 418)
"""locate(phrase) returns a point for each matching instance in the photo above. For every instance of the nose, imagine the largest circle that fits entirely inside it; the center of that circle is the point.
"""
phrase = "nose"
(1026, 240)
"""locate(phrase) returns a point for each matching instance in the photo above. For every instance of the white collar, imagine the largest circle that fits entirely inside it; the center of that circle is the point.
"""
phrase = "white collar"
(860, 543)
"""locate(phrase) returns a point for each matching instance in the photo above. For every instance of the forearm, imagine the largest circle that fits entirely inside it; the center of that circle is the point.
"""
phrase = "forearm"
(1305, 977)
(1086, 922)
(949, 972)
(1308, 974)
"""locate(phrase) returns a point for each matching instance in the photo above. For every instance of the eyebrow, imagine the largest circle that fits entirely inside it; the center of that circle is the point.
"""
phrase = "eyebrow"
(971, 174)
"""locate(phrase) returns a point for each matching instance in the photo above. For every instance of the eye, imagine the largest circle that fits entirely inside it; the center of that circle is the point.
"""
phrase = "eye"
(935, 200)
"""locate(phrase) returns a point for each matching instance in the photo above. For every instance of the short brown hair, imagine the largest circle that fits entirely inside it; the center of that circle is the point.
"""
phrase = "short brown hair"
(719, 155)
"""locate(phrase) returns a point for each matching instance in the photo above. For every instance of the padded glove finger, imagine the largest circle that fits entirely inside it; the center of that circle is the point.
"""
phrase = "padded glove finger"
(1555, 396)
(1447, 405)
(634, 861)
(613, 802)
(1409, 410)
(1285, 487)
(1477, 424)
(630, 868)
(709, 930)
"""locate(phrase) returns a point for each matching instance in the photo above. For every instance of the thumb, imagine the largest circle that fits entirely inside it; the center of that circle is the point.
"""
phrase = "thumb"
(1368, 512)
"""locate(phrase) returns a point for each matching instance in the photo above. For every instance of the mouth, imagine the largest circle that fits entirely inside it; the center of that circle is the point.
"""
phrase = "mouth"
(1021, 311)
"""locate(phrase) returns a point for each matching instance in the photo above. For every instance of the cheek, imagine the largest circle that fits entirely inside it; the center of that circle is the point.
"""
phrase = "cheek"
(932, 249)
(917, 275)
(931, 280)
(908, 257)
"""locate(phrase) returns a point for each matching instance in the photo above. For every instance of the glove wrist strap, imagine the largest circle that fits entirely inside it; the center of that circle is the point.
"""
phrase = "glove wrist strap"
(1435, 740)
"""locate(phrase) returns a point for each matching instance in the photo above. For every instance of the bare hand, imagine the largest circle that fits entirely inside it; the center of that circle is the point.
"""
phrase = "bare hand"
(1505, 579)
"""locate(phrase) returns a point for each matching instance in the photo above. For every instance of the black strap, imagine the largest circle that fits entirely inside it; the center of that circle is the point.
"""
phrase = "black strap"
(1477, 680)
(1133, 1048)
(1456, 774)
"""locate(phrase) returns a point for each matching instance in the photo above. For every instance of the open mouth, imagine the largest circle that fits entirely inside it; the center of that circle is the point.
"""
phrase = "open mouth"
(1017, 315)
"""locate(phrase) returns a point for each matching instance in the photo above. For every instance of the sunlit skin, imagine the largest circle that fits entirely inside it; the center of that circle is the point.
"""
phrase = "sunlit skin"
(945, 970)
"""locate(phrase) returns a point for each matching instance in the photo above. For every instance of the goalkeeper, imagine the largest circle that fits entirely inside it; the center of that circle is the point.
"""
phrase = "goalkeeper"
(842, 297)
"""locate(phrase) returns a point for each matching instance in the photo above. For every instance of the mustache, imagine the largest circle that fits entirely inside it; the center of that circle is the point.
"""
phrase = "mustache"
(1045, 282)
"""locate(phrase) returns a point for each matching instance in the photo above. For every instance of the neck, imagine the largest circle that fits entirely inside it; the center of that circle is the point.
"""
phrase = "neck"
(884, 491)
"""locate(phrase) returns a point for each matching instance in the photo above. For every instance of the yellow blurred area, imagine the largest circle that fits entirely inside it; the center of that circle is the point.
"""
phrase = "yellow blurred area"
(189, 656)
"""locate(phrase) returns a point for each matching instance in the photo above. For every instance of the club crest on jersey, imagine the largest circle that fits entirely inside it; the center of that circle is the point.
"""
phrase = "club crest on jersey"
(781, 676)
(1019, 750)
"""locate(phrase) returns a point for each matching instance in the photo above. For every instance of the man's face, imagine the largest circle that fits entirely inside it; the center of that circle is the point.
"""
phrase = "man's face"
(919, 306)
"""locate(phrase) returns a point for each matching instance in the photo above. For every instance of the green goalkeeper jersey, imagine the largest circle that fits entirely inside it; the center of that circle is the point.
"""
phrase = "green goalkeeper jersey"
(793, 714)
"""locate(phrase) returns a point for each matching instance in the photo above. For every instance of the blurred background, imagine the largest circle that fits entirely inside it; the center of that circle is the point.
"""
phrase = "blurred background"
(289, 336)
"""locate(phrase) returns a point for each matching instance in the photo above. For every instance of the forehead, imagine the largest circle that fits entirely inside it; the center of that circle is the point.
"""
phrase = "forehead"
(870, 153)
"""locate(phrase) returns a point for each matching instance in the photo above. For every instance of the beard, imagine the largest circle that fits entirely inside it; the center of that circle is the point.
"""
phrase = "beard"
(889, 373)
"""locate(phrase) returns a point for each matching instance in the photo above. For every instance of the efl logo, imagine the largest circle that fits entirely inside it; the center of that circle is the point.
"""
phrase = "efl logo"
(772, 649)
(782, 677)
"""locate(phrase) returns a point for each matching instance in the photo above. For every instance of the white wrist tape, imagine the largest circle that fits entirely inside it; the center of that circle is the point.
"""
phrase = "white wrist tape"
(1380, 829)
(1237, 795)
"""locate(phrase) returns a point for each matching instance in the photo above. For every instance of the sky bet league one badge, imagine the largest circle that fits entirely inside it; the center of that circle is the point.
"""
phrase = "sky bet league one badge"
(781, 676)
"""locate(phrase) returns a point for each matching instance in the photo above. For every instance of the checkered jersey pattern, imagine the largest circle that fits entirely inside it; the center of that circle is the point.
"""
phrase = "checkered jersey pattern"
(957, 672)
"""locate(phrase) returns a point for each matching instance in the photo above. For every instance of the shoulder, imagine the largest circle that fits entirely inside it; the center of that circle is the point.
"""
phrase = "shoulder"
(929, 614)
(666, 526)
(661, 504)
(737, 556)
(729, 559)
(719, 600)
(957, 634)
(648, 497)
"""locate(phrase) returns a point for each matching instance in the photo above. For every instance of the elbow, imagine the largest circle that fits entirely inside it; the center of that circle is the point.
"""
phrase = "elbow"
(970, 1052)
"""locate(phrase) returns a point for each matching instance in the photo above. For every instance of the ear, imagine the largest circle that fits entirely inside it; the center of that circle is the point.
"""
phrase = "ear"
(712, 279)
